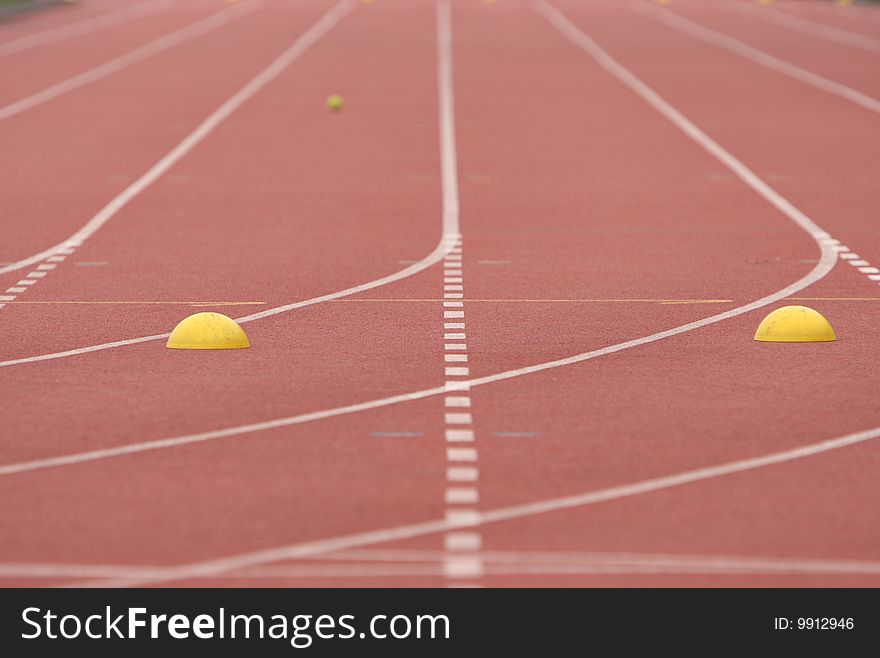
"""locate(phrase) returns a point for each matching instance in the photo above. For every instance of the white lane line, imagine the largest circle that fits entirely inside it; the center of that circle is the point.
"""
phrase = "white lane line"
(327, 546)
(84, 26)
(869, 270)
(733, 562)
(460, 565)
(824, 241)
(742, 49)
(302, 43)
(804, 26)
(457, 371)
(115, 65)
(363, 563)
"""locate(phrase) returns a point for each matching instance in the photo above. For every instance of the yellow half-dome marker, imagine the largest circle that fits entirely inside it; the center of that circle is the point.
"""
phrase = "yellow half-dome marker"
(795, 324)
(207, 331)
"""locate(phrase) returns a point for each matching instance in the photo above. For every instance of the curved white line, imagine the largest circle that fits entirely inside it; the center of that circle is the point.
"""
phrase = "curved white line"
(742, 49)
(329, 545)
(116, 64)
(823, 240)
(303, 43)
(84, 26)
(450, 214)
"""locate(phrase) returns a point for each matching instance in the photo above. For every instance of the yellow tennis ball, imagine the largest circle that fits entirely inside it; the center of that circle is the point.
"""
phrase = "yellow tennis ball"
(334, 102)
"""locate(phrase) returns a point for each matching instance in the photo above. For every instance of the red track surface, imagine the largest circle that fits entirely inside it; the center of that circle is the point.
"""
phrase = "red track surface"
(577, 198)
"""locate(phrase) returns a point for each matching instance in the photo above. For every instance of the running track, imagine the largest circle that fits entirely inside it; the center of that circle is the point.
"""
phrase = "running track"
(506, 197)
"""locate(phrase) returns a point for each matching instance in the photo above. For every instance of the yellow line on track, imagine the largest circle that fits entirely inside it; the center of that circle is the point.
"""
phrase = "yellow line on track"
(142, 303)
(544, 301)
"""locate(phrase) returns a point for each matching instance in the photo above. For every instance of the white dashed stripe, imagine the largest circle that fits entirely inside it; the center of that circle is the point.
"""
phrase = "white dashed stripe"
(462, 563)
(461, 454)
(462, 541)
(460, 435)
(34, 277)
(854, 259)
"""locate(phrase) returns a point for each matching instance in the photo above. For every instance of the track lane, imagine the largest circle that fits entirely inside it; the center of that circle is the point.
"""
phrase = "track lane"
(836, 61)
(396, 218)
(29, 72)
(39, 141)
